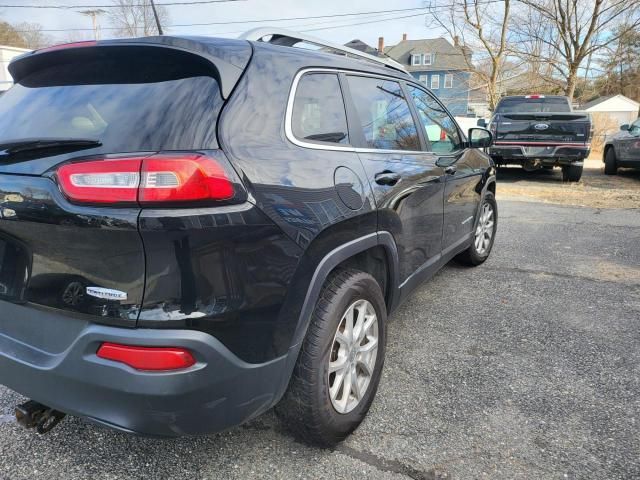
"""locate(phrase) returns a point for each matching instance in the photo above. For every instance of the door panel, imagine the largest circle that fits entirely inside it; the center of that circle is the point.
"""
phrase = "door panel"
(461, 196)
(462, 166)
(412, 208)
(407, 184)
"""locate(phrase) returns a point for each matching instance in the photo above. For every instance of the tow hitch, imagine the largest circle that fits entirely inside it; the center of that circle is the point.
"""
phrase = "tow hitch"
(35, 415)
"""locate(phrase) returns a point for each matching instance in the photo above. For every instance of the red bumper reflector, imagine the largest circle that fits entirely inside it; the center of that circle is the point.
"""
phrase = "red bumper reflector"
(147, 358)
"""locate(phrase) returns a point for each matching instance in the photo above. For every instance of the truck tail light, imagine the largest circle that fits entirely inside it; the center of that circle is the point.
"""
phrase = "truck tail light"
(147, 358)
(162, 178)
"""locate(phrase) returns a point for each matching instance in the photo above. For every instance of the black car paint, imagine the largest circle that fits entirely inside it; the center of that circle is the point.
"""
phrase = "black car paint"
(248, 273)
(626, 146)
(546, 137)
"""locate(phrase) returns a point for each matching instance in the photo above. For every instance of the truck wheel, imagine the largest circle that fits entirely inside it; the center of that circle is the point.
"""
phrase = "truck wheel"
(571, 173)
(610, 162)
(484, 234)
(338, 369)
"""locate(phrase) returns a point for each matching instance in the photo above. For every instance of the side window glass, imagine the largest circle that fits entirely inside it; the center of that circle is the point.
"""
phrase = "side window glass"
(318, 110)
(385, 117)
(635, 128)
(440, 129)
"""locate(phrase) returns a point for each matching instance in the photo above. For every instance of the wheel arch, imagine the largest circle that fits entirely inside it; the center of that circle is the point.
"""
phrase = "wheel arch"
(362, 251)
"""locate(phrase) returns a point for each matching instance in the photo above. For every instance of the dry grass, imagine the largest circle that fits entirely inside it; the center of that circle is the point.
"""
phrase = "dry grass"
(594, 190)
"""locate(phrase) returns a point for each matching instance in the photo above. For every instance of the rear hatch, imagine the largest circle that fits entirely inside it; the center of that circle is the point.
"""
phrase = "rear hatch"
(102, 102)
(523, 120)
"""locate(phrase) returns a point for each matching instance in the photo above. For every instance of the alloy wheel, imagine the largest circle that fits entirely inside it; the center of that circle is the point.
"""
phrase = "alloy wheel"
(353, 356)
(484, 230)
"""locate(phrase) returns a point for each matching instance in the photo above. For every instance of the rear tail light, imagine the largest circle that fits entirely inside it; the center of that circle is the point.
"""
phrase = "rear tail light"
(147, 358)
(153, 179)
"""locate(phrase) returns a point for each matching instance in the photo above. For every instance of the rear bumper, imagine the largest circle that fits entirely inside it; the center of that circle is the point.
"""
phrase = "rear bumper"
(52, 359)
(545, 154)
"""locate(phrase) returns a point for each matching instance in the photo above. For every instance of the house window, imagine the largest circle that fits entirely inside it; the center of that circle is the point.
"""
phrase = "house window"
(416, 59)
(426, 59)
(423, 80)
(435, 82)
(448, 80)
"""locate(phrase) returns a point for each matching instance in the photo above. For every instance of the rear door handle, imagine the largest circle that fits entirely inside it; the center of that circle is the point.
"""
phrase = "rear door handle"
(387, 178)
(450, 170)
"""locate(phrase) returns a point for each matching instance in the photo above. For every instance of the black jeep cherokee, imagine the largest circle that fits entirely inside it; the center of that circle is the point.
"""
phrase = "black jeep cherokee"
(193, 230)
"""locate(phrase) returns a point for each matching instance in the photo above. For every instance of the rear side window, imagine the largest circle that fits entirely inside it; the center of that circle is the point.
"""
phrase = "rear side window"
(318, 110)
(385, 118)
(533, 105)
(159, 100)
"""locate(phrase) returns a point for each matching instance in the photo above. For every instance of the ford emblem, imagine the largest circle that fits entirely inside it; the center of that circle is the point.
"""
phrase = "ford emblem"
(541, 126)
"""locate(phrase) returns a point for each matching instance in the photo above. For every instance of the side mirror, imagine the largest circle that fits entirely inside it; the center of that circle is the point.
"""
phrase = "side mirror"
(625, 127)
(480, 138)
(482, 123)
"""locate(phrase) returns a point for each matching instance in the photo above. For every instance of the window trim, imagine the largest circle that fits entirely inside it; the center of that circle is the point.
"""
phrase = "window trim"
(413, 59)
(434, 77)
(424, 59)
(450, 75)
(344, 104)
(288, 118)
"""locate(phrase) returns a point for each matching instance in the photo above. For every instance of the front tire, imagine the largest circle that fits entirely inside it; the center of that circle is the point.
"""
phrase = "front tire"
(338, 369)
(571, 173)
(610, 162)
(484, 233)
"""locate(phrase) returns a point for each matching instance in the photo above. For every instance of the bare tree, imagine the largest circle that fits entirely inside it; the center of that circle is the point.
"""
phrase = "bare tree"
(32, 35)
(135, 18)
(564, 34)
(482, 30)
(9, 35)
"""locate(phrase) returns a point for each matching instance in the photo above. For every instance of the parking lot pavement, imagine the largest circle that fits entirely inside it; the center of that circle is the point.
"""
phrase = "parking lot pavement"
(525, 367)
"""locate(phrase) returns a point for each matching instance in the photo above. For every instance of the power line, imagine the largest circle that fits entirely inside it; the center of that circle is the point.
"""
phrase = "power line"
(262, 20)
(111, 5)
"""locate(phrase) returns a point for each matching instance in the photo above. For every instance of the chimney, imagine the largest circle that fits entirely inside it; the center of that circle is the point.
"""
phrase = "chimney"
(404, 37)
(380, 45)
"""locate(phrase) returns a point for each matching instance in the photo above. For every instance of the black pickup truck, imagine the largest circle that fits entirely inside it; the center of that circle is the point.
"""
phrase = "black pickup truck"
(538, 131)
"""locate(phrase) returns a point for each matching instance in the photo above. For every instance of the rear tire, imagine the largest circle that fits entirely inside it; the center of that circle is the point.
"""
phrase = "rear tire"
(610, 162)
(484, 233)
(317, 408)
(572, 173)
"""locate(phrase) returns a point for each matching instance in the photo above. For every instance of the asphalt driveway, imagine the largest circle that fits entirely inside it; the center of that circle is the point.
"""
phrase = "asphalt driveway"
(525, 367)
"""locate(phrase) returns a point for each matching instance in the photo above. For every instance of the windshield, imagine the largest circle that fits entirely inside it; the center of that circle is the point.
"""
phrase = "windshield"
(149, 107)
(533, 105)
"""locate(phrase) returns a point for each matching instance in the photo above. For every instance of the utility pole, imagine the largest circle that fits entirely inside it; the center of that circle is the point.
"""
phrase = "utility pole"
(94, 19)
(155, 14)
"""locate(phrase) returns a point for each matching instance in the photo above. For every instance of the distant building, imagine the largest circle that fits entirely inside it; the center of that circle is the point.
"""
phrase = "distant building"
(6, 55)
(437, 64)
(619, 108)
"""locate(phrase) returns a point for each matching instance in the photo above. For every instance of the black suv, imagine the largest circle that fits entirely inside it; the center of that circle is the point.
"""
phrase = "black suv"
(193, 230)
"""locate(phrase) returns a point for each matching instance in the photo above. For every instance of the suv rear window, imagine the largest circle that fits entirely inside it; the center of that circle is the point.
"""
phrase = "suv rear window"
(146, 103)
(533, 105)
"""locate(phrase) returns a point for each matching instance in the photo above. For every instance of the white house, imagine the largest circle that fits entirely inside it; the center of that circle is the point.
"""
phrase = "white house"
(618, 107)
(6, 54)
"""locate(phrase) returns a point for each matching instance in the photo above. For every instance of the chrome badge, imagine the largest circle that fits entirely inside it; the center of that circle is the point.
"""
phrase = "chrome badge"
(541, 126)
(106, 293)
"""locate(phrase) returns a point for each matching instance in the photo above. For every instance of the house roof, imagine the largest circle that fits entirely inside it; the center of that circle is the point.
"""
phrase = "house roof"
(359, 45)
(615, 100)
(447, 56)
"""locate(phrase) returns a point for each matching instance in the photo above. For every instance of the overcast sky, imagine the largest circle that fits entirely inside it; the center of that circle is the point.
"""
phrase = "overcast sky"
(387, 25)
